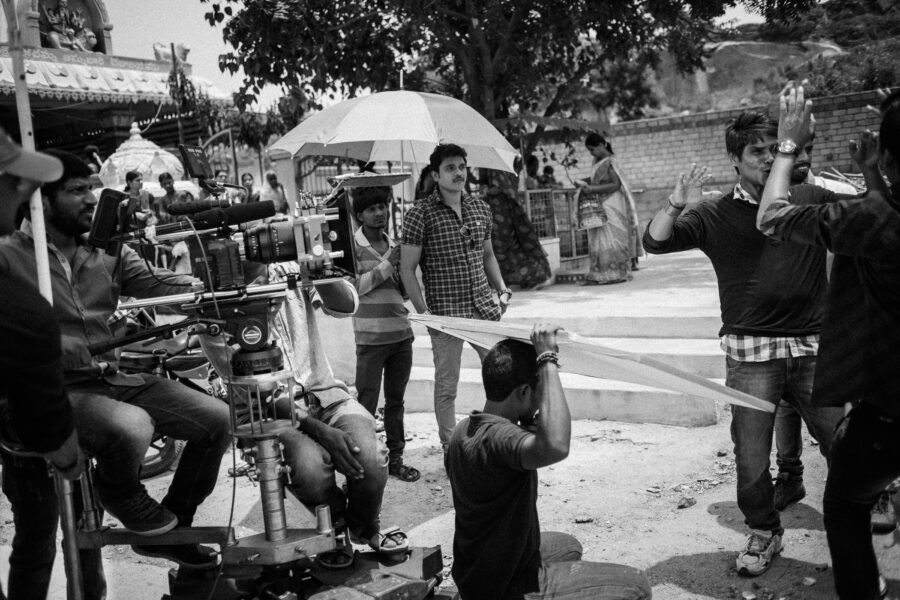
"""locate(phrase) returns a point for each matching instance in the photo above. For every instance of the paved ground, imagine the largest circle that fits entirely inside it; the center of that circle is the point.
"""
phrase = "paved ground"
(618, 492)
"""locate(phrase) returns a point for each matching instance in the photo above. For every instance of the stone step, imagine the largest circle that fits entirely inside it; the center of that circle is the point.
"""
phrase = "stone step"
(587, 398)
(698, 356)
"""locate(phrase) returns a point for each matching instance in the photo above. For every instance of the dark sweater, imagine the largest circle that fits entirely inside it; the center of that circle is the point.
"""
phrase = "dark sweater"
(860, 345)
(766, 287)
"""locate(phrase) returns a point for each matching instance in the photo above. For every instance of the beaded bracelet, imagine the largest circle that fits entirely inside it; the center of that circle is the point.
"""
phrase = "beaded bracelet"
(545, 357)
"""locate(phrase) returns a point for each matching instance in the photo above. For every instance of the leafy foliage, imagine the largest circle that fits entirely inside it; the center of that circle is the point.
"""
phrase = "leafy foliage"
(503, 57)
(868, 29)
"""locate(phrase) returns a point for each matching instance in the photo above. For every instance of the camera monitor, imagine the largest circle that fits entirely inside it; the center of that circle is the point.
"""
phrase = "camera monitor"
(195, 162)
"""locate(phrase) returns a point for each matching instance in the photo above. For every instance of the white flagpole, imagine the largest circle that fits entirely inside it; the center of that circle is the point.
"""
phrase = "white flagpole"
(14, 18)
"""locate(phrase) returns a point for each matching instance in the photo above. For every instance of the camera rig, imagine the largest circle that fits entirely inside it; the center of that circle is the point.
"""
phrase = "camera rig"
(229, 247)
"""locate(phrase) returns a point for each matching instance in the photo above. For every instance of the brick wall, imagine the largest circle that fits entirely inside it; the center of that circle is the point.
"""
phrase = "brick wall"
(652, 152)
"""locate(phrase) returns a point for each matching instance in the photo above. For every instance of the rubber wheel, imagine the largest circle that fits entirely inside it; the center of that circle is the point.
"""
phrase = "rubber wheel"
(162, 456)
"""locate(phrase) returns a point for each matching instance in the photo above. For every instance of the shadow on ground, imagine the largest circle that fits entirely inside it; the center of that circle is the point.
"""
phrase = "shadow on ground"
(692, 573)
(795, 516)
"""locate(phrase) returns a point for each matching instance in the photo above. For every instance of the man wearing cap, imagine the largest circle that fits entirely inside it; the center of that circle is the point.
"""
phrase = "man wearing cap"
(116, 414)
(34, 409)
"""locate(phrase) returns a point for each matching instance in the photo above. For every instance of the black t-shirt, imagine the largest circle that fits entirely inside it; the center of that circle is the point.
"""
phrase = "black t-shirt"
(496, 545)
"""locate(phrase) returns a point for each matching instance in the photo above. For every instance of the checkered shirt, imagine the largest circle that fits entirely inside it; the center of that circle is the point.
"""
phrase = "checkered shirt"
(453, 256)
(759, 348)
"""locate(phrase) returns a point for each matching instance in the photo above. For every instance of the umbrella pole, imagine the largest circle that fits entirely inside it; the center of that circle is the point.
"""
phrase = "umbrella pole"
(403, 192)
(23, 106)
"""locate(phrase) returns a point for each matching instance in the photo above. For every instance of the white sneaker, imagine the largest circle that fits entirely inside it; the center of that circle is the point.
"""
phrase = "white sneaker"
(762, 546)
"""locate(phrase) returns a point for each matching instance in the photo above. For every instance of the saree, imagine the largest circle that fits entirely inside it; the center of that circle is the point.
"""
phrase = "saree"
(615, 247)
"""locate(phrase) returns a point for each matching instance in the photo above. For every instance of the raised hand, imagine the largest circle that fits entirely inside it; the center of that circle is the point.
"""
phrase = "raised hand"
(795, 119)
(689, 187)
(864, 151)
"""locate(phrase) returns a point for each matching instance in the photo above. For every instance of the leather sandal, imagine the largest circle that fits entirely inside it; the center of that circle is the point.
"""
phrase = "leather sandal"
(403, 472)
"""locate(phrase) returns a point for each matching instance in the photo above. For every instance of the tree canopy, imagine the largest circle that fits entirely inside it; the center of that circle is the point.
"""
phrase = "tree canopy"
(503, 57)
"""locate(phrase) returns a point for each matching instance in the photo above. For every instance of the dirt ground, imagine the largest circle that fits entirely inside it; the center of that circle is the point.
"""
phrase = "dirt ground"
(619, 492)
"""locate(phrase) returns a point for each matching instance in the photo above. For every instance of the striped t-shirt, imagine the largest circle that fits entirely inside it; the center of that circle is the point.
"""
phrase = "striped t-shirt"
(381, 317)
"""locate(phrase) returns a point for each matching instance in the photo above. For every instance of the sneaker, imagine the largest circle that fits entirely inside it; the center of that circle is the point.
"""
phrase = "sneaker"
(141, 514)
(188, 556)
(788, 489)
(762, 546)
(884, 519)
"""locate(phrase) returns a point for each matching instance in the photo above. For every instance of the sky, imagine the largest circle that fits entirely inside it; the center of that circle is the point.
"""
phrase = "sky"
(138, 24)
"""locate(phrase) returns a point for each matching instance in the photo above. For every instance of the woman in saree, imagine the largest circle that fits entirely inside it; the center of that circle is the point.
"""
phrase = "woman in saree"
(606, 209)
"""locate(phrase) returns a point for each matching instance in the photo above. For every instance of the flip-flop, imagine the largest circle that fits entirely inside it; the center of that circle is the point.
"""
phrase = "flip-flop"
(403, 472)
(376, 542)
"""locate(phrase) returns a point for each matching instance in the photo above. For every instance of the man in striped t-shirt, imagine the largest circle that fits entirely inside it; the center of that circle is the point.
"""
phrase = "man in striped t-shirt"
(383, 334)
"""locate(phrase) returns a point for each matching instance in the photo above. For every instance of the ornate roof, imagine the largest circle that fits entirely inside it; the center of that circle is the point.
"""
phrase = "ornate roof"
(94, 77)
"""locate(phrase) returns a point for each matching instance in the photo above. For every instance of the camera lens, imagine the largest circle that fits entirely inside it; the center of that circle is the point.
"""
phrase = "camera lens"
(271, 242)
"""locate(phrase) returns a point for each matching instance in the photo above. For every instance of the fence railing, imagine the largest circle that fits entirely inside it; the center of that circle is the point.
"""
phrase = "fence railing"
(552, 214)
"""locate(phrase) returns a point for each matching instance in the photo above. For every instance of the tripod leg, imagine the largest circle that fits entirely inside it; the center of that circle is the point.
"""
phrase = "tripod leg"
(71, 558)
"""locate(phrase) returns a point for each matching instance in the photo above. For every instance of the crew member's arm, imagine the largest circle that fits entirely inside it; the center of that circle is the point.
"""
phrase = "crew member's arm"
(414, 238)
(366, 281)
(550, 442)
(663, 234)
(494, 276)
(867, 226)
(409, 261)
(142, 282)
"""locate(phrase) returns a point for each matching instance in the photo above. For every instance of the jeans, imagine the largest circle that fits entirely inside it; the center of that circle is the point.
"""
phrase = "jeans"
(395, 361)
(312, 472)
(447, 351)
(788, 440)
(116, 423)
(866, 458)
(564, 576)
(32, 495)
(783, 379)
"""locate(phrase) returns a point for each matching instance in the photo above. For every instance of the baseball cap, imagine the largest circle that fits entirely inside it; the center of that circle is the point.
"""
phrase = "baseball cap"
(35, 166)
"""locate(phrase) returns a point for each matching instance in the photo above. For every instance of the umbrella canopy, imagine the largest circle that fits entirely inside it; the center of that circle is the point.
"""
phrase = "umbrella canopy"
(585, 357)
(143, 156)
(400, 127)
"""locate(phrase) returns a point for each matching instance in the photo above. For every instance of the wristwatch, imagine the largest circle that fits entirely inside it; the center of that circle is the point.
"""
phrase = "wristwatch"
(788, 147)
(505, 291)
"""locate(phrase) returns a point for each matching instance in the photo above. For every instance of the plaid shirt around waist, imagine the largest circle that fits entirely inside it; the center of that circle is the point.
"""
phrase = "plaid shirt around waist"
(453, 256)
(757, 348)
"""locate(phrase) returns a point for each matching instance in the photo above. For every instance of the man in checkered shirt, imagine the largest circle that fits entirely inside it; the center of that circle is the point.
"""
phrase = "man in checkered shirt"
(772, 301)
(449, 235)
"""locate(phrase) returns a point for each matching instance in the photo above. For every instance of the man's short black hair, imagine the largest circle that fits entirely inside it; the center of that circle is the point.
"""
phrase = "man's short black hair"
(365, 197)
(165, 175)
(73, 167)
(748, 127)
(508, 365)
(444, 151)
(889, 132)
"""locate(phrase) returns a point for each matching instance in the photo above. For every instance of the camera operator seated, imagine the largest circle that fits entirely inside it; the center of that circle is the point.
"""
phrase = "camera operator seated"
(336, 433)
(115, 414)
(492, 460)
